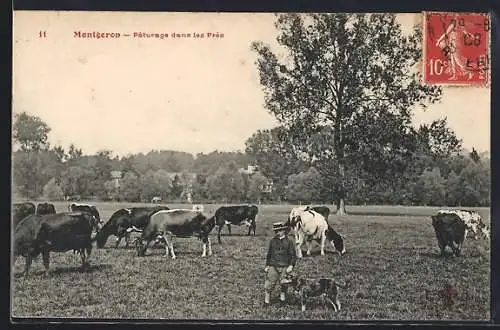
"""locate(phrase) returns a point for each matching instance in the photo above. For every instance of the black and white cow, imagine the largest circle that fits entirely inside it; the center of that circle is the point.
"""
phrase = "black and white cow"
(309, 225)
(236, 215)
(165, 225)
(121, 221)
(473, 222)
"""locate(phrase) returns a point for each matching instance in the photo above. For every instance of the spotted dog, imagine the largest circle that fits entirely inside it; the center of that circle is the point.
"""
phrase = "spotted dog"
(325, 288)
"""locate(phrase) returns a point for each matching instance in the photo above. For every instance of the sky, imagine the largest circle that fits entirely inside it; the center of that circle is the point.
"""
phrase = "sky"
(196, 95)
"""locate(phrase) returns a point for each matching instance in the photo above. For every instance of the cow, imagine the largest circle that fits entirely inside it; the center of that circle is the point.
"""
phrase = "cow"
(123, 219)
(450, 231)
(21, 211)
(45, 208)
(323, 210)
(309, 225)
(60, 232)
(181, 223)
(86, 208)
(236, 215)
(472, 220)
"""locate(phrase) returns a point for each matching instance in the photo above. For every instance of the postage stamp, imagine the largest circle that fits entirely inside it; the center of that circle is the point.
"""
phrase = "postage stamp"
(456, 48)
(249, 166)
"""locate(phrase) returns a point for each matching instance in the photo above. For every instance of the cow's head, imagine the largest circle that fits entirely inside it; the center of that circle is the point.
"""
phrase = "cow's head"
(336, 240)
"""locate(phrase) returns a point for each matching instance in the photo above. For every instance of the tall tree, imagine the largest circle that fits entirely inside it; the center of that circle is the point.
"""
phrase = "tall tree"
(30, 132)
(339, 68)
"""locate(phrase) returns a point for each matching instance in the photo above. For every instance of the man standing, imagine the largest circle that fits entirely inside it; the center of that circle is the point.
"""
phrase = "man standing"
(281, 258)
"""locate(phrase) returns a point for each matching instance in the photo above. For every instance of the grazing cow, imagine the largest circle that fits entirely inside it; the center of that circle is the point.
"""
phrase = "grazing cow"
(45, 208)
(323, 210)
(236, 215)
(123, 219)
(292, 219)
(472, 220)
(58, 232)
(310, 225)
(450, 231)
(179, 223)
(21, 211)
(86, 208)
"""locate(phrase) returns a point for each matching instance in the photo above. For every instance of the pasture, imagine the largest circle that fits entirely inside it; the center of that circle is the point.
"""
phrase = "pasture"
(392, 262)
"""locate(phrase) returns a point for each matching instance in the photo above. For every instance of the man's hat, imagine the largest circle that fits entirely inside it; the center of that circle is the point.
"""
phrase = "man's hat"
(279, 226)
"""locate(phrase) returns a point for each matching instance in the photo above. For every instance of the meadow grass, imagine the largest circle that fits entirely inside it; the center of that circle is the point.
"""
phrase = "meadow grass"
(392, 262)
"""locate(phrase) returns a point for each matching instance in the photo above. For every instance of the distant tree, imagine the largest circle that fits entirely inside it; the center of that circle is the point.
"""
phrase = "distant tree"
(199, 188)
(155, 183)
(475, 182)
(256, 186)
(474, 156)
(437, 139)
(101, 166)
(339, 69)
(130, 187)
(52, 191)
(32, 170)
(111, 190)
(453, 189)
(226, 184)
(304, 187)
(177, 186)
(210, 163)
(274, 152)
(74, 152)
(30, 132)
(60, 153)
(431, 188)
(75, 181)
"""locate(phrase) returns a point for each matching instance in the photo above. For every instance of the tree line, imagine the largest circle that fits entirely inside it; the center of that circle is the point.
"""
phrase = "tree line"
(344, 97)
(53, 173)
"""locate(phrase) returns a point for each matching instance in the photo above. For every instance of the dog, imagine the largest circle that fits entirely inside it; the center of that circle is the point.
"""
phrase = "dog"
(325, 288)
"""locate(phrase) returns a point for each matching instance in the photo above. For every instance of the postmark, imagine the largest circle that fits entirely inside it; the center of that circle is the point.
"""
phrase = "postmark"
(456, 48)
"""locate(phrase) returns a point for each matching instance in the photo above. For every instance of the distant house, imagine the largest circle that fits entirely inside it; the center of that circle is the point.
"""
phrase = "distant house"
(268, 187)
(155, 199)
(251, 169)
(116, 177)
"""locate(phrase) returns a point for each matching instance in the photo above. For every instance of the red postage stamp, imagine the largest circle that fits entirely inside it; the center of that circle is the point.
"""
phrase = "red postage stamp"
(456, 48)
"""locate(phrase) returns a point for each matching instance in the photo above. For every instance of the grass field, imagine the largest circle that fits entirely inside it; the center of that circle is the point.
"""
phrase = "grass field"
(392, 261)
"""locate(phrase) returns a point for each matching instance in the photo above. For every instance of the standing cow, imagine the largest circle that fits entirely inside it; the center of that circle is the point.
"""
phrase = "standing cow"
(450, 231)
(309, 225)
(42, 234)
(179, 223)
(45, 208)
(473, 222)
(124, 219)
(236, 215)
(21, 211)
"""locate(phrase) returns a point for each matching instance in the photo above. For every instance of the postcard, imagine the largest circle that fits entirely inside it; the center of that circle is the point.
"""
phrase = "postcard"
(251, 166)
